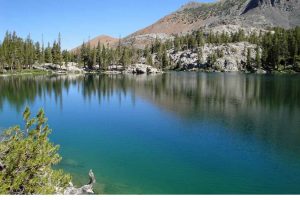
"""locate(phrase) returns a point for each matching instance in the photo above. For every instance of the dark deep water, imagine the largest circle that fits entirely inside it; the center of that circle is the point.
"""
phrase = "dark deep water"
(177, 133)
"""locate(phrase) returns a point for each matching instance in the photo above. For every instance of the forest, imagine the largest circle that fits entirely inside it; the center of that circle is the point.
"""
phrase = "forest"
(276, 49)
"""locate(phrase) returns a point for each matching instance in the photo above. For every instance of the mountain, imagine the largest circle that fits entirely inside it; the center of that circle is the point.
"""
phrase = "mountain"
(103, 39)
(223, 15)
(257, 13)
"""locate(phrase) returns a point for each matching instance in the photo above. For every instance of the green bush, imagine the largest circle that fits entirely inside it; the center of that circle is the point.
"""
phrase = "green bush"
(27, 157)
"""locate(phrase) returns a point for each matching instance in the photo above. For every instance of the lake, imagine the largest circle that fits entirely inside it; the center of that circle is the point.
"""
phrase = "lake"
(176, 133)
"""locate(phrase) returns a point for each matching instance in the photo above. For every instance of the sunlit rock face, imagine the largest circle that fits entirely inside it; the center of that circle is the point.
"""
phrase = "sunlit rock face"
(233, 59)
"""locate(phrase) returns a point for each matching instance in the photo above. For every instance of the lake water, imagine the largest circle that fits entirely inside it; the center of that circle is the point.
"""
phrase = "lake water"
(177, 133)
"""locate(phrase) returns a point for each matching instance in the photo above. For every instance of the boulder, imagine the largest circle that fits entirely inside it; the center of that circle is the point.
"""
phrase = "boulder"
(261, 71)
(142, 69)
(3, 71)
(115, 68)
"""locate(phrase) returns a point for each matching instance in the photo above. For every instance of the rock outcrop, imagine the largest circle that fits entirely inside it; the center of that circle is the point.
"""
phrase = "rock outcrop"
(84, 190)
(142, 69)
(229, 57)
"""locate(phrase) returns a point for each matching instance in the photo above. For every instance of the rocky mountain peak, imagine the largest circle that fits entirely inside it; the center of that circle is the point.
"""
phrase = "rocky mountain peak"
(283, 5)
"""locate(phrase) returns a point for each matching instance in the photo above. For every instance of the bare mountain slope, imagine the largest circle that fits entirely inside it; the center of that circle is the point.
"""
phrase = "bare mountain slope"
(258, 13)
(224, 15)
(103, 39)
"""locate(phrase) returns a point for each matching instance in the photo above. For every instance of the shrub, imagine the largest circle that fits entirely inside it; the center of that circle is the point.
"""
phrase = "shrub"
(27, 157)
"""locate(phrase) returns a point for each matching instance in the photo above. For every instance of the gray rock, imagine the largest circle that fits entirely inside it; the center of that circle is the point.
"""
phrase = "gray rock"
(261, 71)
(69, 67)
(115, 68)
(86, 189)
(232, 56)
(3, 71)
(142, 69)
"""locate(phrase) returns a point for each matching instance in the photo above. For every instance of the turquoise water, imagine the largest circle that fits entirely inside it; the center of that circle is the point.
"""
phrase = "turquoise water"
(177, 133)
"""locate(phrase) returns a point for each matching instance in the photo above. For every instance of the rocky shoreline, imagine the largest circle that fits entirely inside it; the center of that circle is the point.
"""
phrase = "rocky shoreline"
(113, 69)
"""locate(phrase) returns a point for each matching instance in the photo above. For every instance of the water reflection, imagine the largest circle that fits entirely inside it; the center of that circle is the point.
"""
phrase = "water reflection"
(267, 106)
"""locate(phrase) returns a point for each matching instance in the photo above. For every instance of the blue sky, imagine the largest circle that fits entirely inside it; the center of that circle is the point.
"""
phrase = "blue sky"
(76, 20)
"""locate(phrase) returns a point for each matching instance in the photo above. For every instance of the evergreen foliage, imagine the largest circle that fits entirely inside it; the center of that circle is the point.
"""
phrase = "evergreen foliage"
(275, 50)
(27, 158)
(17, 53)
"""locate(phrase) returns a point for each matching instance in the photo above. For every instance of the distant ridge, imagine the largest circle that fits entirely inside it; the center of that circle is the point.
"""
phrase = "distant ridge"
(105, 40)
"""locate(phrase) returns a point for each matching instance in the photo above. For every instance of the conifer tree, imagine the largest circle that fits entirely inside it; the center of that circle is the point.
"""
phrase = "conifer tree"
(99, 55)
(27, 158)
(165, 59)
(257, 57)
(177, 44)
(38, 53)
(66, 57)
(125, 58)
(48, 54)
(94, 57)
(211, 60)
(199, 56)
(104, 58)
(248, 61)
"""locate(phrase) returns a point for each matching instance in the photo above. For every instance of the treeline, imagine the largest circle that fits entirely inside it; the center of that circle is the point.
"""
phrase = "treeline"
(17, 53)
(155, 54)
(276, 49)
(280, 48)
(104, 56)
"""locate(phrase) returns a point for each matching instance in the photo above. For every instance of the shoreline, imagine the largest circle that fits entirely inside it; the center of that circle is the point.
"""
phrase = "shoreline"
(112, 72)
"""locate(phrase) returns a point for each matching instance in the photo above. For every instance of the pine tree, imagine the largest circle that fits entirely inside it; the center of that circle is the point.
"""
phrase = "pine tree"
(125, 58)
(165, 59)
(84, 52)
(257, 58)
(48, 54)
(192, 43)
(199, 56)
(177, 46)
(59, 53)
(211, 60)
(248, 61)
(66, 57)
(200, 39)
(94, 57)
(27, 159)
(104, 58)
(99, 56)
(43, 52)
(38, 55)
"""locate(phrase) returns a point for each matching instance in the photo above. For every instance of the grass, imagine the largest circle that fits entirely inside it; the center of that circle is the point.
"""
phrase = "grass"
(27, 72)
